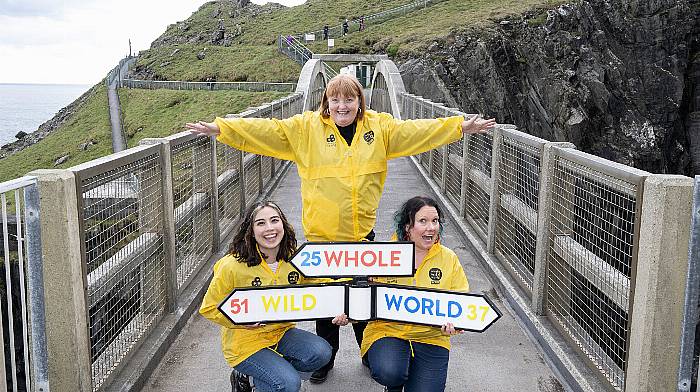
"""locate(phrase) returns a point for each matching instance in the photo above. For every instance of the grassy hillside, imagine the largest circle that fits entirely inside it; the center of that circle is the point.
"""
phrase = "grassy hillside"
(147, 113)
(247, 52)
(239, 56)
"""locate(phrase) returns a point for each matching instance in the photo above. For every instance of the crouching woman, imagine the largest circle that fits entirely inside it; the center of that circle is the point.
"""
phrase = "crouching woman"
(409, 357)
(275, 354)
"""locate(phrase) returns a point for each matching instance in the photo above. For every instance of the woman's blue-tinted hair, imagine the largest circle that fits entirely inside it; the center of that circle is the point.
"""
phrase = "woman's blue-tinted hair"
(406, 215)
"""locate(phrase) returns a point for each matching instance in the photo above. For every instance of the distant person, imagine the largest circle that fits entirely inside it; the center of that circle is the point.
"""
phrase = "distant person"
(289, 40)
(341, 152)
(409, 357)
(272, 354)
(325, 32)
(345, 27)
(362, 23)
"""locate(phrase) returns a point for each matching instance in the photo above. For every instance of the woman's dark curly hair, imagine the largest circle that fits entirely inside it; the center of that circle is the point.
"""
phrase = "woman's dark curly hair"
(406, 215)
(244, 246)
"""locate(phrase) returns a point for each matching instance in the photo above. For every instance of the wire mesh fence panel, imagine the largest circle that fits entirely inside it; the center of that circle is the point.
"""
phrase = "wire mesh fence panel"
(266, 169)
(380, 95)
(478, 181)
(122, 219)
(453, 171)
(229, 165)
(20, 359)
(518, 192)
(590, 263)
(251, 176)
(192, 199)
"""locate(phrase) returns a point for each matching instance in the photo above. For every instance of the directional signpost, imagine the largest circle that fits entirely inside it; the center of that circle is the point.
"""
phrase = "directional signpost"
(470, 312)
(286, 303)
(350, 259)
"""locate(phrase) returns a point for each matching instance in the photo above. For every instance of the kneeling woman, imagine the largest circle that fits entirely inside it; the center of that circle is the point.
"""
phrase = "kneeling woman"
(272, 354)
(415, 357)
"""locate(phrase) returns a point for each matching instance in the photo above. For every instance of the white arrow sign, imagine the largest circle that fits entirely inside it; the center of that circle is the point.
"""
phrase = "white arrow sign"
(471, 312)
(350, 259)
(286, 303)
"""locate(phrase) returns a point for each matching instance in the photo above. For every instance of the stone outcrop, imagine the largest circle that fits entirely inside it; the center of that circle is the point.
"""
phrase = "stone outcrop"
(618, 78)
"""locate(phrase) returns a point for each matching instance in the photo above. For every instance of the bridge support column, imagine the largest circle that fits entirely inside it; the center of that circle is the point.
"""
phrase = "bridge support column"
(659, 290)
(65, 287)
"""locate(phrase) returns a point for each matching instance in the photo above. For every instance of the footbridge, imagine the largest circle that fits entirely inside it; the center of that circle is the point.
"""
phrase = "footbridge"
(594, 264)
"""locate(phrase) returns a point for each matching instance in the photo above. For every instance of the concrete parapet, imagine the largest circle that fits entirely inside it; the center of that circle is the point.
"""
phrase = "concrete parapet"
(659, 289)
(394, 83)
(64, 281)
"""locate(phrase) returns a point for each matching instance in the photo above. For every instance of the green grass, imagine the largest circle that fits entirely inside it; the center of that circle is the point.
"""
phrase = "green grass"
(400, 36)
(91, 121)
(159, 113)
(147, 113)
(251, 56)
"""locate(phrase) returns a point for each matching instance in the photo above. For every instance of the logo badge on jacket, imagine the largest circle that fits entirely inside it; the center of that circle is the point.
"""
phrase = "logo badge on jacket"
(369, 137)
(435, 275)
(293, 277)
(330, 140)
(256, 282)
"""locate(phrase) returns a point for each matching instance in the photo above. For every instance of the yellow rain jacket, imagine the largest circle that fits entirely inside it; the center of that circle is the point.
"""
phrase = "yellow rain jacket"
(440, 270)
(237, 342)
(340, 185)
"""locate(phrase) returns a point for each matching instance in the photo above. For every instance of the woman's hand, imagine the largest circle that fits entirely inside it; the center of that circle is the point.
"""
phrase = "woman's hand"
(449, 330)
(477, 124)
(341, 319)
(204, 128)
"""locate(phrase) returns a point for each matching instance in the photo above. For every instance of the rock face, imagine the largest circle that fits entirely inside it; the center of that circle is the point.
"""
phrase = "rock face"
(618, 78)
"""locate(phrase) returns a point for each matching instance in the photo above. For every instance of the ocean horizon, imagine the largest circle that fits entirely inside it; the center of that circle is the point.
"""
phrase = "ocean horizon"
(25, 106)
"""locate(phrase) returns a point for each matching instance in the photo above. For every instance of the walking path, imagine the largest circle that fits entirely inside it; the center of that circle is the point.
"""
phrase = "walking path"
(500, 360)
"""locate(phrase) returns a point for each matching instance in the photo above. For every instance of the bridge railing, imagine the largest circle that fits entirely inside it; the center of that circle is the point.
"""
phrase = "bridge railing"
(148, 219)
(212, 86)
(24, 358)
(563, 224)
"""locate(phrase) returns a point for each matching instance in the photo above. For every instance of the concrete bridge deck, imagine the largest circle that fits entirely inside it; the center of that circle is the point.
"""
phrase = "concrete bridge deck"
(502, 359)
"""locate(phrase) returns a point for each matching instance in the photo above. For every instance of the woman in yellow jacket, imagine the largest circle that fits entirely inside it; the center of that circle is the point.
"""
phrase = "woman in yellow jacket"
(415, 357)
(272, 354)
(341, 153)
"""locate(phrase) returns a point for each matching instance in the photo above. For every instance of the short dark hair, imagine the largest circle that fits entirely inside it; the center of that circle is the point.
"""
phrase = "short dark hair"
(406, 215)
(244, 247)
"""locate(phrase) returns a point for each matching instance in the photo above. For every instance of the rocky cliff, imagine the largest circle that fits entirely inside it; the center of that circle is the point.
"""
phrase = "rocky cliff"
(618, 78)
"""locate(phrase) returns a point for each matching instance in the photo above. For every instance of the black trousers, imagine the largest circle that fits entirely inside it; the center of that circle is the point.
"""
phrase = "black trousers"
(331, 333)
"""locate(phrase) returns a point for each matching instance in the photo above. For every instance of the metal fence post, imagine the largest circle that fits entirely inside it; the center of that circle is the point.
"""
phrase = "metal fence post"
(494, 199)
(166, 177)
(692, 292)
(216, 228)
(544, 215)
(35, 290)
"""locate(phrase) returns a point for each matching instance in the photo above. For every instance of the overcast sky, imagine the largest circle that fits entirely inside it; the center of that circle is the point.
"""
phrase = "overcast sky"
(79, 41)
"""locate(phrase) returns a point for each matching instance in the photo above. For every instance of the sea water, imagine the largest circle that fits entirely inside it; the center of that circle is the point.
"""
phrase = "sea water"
(23, 107)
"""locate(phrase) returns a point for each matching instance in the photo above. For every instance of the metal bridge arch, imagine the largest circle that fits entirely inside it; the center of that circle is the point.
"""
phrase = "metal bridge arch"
(387, 88)
(312, 83)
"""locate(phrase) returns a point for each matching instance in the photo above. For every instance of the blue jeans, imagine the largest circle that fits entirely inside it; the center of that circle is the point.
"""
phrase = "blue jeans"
(391, 365)
(278, 371)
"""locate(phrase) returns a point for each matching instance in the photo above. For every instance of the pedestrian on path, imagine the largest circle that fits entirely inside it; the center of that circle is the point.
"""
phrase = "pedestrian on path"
(345, 27)
(409, 357)
(341, 152)
(275, 354)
